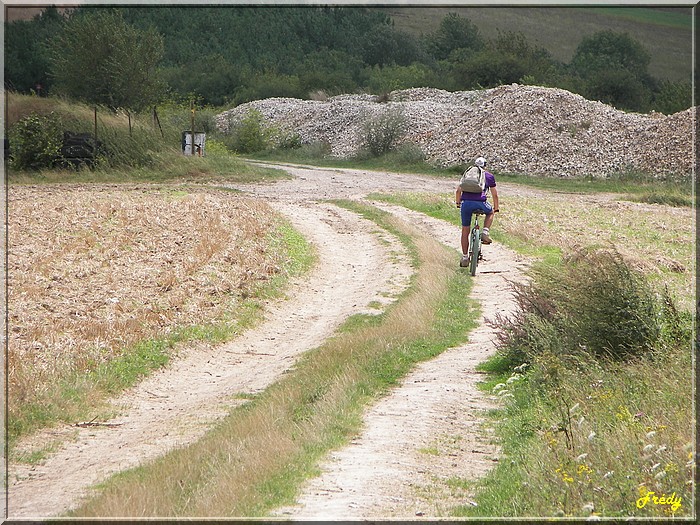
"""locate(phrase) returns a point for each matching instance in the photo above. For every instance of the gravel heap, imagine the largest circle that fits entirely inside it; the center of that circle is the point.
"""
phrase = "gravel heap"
(519, 129)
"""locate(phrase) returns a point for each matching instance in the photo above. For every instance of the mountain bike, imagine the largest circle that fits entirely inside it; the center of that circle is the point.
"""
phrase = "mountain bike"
(475, 243)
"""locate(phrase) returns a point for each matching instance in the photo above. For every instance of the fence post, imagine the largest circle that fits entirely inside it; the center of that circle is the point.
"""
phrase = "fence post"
(94, 146)
(192, 129)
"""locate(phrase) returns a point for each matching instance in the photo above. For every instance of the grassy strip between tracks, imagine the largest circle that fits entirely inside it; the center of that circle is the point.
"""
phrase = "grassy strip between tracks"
(256, 458)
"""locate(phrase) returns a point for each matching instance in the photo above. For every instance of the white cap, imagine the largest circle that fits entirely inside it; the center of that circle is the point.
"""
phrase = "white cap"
(481, 162)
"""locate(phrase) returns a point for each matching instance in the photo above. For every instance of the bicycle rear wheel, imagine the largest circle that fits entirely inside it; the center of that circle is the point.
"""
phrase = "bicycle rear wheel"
(474, 249)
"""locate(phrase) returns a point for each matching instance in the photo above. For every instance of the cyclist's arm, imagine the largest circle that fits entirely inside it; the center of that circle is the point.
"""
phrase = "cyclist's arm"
(458, 196)
(494, 194)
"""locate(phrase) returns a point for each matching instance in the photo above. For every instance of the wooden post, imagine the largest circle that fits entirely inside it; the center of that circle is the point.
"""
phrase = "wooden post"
(192, 130)
(157, 121)
(94, 146)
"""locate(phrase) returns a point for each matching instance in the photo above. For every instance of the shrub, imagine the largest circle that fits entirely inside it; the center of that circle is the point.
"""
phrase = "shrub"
(672, 97)
(392, 78)
(250, 135)
(594, 304)
(383, 133)
(288, 141)
(35, 141)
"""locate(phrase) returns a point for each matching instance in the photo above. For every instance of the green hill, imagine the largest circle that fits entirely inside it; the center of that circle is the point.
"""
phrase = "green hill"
(225, 55)
(666, 32)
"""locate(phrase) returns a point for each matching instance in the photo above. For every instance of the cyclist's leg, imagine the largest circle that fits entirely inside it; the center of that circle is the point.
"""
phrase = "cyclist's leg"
(464, 240)
(489, 216)
(466, 213)
(488, 211)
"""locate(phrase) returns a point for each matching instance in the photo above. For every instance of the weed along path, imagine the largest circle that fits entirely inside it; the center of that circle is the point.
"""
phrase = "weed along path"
(425, 433)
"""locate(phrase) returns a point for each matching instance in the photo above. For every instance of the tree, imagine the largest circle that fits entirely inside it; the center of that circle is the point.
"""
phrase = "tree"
(454, 33)
(619, 88)
(391, 78)
(536, 61)
(487, 68)
(26, 60)
(213, 78)
(608, 50)
(384, 46)
(613, 69)
(100, 59)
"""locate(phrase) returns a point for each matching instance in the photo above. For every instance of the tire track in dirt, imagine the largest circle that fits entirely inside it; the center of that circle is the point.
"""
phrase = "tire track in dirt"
(429, 429)
(176, 406)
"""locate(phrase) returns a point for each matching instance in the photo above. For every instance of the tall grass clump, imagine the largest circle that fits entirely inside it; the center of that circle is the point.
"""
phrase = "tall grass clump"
(595, 371)
(250, 134)
(36, 127)
(596, 304)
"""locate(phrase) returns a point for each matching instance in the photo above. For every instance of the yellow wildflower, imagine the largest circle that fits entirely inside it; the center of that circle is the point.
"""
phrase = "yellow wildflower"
(584, 469)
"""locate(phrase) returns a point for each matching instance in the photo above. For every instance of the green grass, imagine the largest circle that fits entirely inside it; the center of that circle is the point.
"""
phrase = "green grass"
(310, 154)
(546, 226)
(256, 459)
(171, 166)
(139, 155)
(633, 185)
(654, 17)
(601, 434)
(442, 207)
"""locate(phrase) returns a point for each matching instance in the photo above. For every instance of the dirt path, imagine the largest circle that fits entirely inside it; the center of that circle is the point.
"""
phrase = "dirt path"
(429, 430)
(435, 405)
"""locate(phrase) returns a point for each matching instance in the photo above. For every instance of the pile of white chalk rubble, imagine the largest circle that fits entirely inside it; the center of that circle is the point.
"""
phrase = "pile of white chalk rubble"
(518, 129)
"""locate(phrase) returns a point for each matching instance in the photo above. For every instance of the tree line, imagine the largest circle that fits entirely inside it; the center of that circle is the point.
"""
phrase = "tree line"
(135, 57)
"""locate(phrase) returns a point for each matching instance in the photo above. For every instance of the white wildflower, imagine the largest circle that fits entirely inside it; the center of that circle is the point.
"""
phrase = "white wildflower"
(583, 456)
(660, 475)
(655, 466)
(588, 508)
(661, 449)
(574, 408)
(651, 434)
(499, 386)
(609, 474)
(591, 436)
(648, 448)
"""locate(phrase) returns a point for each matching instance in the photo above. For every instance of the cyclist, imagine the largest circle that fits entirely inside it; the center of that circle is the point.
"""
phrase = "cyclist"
(470, 202)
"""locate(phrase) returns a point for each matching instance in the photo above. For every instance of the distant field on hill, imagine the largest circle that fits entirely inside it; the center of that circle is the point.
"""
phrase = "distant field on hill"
(665, 32)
